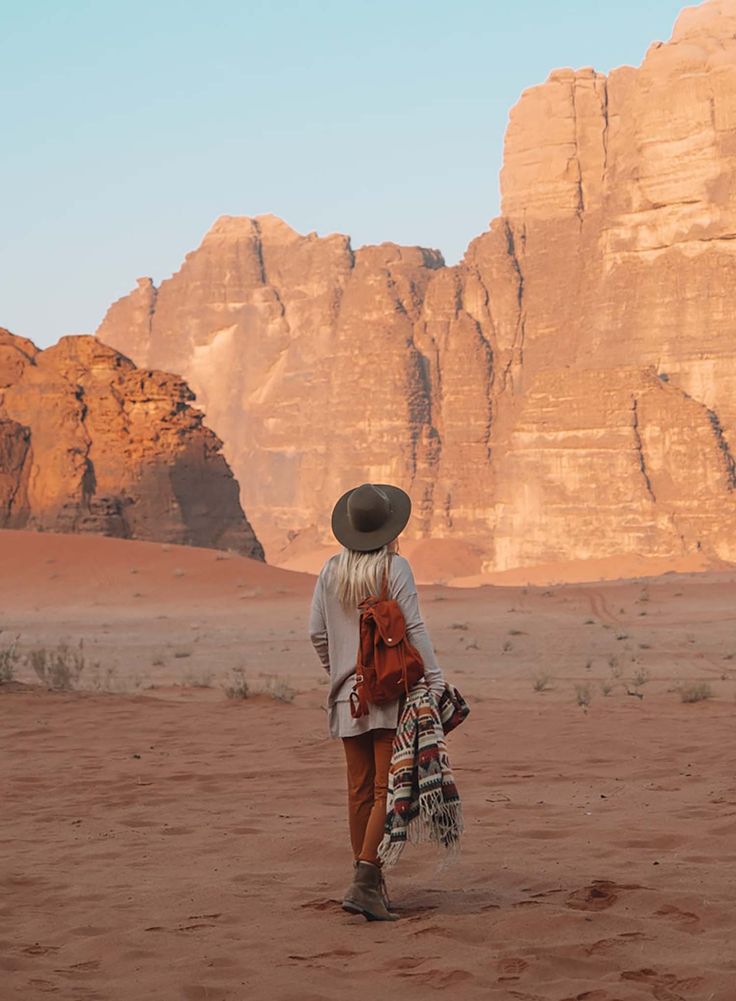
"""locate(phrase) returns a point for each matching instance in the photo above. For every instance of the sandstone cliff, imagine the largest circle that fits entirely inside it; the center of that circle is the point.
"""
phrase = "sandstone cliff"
(90, 443)
(568, 391)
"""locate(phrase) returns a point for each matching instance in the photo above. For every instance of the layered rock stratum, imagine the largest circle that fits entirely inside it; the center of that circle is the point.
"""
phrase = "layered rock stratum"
(567, 392)
(90, 443)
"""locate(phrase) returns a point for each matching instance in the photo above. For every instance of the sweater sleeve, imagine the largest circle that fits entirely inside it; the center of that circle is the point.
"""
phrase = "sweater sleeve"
(318, 625)
(416, 631)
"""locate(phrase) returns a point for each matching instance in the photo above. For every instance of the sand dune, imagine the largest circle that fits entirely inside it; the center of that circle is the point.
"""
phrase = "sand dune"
(169, 843)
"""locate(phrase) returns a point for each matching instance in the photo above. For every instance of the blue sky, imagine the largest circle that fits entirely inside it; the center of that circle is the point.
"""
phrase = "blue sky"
(129, 127)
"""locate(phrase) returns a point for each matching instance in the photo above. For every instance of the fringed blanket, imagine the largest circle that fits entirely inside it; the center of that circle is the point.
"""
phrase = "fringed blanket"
(423, 802)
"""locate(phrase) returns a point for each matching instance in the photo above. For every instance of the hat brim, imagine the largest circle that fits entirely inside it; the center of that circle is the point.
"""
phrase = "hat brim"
(364, 542)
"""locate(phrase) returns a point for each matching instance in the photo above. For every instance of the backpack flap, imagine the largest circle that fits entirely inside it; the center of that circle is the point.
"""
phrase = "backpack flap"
(390, 624)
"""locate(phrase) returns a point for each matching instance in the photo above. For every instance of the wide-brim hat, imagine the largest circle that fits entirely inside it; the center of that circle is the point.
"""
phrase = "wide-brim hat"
(369, 516)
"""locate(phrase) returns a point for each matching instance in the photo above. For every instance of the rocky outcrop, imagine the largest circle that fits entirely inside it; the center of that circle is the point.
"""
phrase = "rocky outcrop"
(90, 443)
(567, 391)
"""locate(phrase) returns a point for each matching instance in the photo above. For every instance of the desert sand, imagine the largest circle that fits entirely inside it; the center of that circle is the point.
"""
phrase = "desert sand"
(162, 841)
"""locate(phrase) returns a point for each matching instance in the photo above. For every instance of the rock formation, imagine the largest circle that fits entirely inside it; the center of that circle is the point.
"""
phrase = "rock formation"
(568, 391)
(90, 443)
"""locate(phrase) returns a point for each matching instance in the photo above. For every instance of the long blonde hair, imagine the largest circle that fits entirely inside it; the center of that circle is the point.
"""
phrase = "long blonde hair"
(358, 575)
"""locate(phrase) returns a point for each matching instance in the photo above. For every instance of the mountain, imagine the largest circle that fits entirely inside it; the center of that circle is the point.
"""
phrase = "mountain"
(90, 443)
(567, 392)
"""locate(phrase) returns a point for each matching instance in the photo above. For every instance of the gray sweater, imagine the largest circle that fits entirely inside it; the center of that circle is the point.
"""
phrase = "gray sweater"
(334, 632)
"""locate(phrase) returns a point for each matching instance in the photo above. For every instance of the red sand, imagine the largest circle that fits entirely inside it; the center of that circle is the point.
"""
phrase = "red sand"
(180, 845)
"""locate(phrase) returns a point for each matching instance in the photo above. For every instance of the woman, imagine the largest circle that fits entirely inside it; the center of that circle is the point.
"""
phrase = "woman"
(367, 522)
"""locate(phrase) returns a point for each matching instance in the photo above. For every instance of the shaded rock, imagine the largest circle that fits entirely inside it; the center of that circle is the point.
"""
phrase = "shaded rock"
(90, 443)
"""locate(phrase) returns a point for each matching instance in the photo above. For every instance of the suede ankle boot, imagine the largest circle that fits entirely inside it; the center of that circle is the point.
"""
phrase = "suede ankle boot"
(365, 894)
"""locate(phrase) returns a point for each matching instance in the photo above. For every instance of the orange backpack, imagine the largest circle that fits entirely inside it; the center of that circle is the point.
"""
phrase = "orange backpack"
(388, 665)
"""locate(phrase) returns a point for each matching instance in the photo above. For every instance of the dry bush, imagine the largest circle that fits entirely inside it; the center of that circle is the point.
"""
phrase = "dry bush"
(697, 691)
(60, 667)
(541, 682)
(279, 689)
(606, 688)
(105, 680)
(239, 688)
(640, 678)
(459, 625)
(9, 657)
(198, 679)
(583, 696)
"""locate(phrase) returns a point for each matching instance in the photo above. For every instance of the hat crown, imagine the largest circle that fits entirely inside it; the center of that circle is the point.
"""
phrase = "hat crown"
(368, 508)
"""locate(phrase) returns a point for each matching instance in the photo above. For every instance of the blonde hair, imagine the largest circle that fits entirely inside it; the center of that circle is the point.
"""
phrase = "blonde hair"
(358, 575)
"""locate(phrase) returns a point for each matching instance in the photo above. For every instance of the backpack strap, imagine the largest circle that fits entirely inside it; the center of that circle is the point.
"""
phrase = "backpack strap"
(387, 571)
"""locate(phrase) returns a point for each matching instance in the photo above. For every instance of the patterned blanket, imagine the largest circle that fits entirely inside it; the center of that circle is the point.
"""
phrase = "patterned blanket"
(423, 802)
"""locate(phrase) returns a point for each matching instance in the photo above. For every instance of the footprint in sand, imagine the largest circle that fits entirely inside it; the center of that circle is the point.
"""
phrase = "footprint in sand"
(665, 986)
(601, 894)
(684, 919)
(595, 995)
(45, 986)
(79, 969)
(322, 905)
(332, 954)
(438, 979)
(39, 950)
(605, 945)
(511, 968)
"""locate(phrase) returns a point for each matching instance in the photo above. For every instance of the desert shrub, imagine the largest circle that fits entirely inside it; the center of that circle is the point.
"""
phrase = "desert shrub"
(238, 688)
(9, 657)
(606, 688)
(697, 691)
(583, 696)
(104, 679)
(640, 678)
(279, 689)
(540, 682)
(60, 667)
(198, 679)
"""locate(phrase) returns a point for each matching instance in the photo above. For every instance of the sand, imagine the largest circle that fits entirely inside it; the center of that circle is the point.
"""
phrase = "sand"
(162, 841)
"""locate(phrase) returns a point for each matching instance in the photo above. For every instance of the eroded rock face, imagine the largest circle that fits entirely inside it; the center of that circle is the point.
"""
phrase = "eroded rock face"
(567, 391)
(90, 443)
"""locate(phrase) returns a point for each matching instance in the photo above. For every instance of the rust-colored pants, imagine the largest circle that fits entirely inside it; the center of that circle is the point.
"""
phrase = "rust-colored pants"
(368, 758)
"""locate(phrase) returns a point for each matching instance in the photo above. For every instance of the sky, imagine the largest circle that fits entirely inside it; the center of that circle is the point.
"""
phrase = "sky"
(128, 128)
